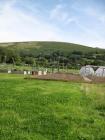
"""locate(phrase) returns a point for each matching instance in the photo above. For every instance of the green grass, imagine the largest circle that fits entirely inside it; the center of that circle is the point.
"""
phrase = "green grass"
(50, 110)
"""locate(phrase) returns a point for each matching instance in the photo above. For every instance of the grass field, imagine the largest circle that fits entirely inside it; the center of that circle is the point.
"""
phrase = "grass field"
(50, 110)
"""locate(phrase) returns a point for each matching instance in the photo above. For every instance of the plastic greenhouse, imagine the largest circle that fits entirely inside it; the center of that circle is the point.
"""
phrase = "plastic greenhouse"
(86, 71)
(100, 72)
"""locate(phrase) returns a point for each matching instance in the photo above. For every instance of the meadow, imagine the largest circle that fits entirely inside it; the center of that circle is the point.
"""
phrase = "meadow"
(50, 110)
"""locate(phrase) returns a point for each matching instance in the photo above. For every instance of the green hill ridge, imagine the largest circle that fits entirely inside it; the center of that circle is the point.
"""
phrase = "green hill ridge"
(51, 54)
(48, 46)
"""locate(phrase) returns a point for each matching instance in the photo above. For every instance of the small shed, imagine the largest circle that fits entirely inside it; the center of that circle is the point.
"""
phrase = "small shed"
(45, 72)
(34, 72)
(87, 71)
(25, 72)
(29, 72)
(39, 73)
(9, 71)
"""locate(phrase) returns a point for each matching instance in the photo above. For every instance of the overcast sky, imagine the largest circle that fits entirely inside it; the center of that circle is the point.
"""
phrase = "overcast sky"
(75, 21)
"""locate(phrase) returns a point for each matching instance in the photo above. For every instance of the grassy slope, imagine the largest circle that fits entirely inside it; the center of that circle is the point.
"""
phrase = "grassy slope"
(40, 110)
(49, 46)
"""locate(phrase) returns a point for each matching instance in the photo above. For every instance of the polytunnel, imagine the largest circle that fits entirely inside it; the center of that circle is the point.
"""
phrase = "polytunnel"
(100, 72)
(86, 71)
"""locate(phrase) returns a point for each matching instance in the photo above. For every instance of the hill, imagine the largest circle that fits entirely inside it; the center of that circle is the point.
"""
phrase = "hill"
(51, 54)
(41, 46)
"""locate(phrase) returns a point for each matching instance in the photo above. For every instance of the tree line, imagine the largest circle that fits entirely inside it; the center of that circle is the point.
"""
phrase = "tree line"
(54, 59)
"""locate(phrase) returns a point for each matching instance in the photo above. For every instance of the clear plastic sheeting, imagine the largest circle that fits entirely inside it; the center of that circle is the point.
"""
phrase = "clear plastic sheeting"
(87, 71)
(100, 72)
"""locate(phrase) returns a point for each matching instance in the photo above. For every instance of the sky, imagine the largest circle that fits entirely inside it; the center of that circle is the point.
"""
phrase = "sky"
(74, 21)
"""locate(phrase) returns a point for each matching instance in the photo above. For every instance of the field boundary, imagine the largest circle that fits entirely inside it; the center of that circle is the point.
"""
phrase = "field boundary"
(68, 78)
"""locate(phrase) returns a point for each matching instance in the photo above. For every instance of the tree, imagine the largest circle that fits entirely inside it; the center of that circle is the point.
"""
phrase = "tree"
(29, 60)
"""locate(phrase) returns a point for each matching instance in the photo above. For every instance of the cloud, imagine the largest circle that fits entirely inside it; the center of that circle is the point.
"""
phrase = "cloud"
(95, 13)
(29, 22)
(16, 25)
(71, 20)
(59, 14)
(102, 18)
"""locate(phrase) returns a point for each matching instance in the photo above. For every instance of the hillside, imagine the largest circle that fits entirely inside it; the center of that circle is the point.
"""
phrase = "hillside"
(51, 54)
(50, 46)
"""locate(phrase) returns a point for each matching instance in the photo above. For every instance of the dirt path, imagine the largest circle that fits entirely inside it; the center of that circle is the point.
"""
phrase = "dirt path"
(69, 77)
(87, 79)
